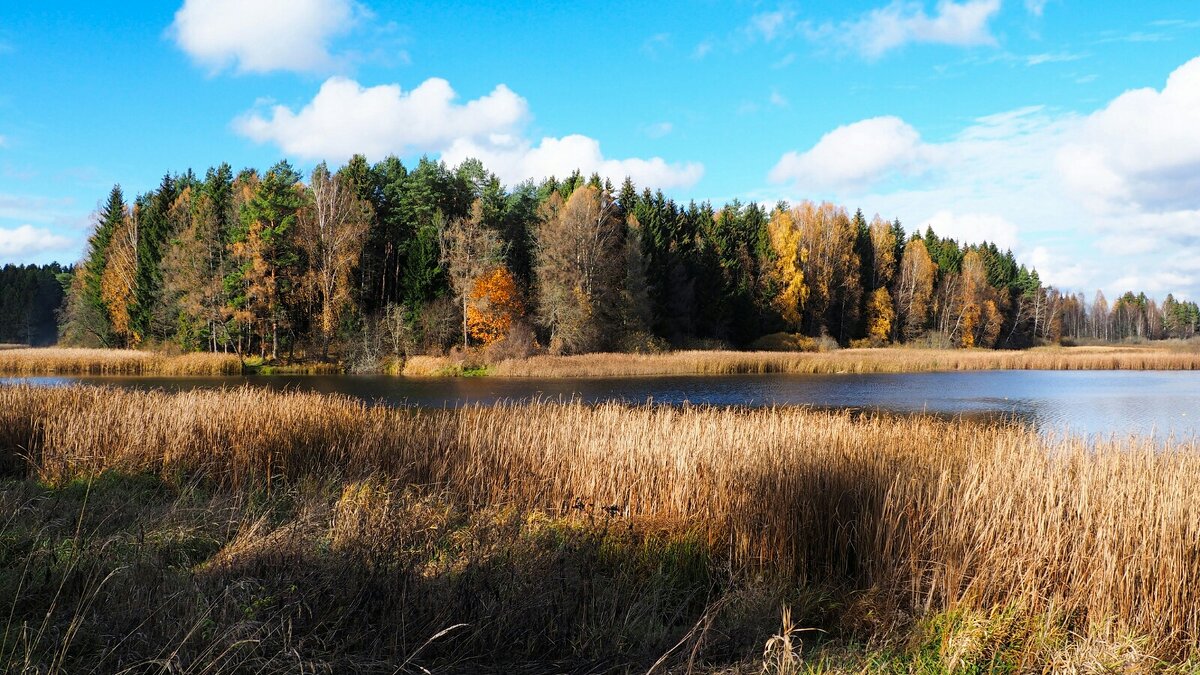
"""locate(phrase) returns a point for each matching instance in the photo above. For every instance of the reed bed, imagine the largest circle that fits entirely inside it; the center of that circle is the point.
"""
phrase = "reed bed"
(919, 515)
(885, 360)
(76, 361)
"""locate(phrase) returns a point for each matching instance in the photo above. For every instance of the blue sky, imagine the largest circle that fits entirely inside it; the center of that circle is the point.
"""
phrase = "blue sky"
(1064, 129)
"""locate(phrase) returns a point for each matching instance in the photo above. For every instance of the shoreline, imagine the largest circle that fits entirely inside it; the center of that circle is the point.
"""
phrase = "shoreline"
(1168, 356)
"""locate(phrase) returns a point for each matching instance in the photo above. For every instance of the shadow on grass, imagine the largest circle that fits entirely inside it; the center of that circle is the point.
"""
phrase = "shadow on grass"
(127, 572)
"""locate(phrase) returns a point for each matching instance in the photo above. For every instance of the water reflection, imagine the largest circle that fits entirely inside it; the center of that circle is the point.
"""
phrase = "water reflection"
(1086, 402)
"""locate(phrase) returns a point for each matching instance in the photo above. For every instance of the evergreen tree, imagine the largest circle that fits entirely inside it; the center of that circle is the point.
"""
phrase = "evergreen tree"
(87, 321)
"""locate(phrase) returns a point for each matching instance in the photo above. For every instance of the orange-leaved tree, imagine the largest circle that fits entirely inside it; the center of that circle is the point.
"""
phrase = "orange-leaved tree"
(494, 305)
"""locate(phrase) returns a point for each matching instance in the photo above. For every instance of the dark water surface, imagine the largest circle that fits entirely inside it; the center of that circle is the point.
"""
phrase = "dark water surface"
(1088, 402)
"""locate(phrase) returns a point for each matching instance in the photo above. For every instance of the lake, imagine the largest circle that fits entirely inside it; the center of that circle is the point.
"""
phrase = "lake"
(1162, 403)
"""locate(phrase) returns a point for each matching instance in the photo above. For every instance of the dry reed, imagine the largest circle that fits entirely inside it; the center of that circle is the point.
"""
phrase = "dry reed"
(886, 360)
(924, 515)
(75, 361)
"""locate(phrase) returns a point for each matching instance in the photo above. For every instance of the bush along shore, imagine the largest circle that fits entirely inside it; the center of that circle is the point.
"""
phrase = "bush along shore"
(253, 531)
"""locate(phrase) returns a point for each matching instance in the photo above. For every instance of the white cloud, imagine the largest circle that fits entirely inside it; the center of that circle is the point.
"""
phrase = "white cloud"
(345, 118)
(1105, 200)
(1035, 7)
(974, 228)
(654, 45)
(771, 25)
(516, 159)
(1153, 283)
(258, 36)
(3, 140)
(37, 209)
(855, 155)
(1057, 270)
(904, 22)
(702, 50)
(1142, 151)
(17, 244)
(659, 130)
(1059, 57)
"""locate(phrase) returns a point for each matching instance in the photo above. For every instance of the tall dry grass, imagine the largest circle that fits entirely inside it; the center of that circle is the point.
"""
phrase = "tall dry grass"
(76, 361)
(886, 360)
(889, 360)
(907, 515)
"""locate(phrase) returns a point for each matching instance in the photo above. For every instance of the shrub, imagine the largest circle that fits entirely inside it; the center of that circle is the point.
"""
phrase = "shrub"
(785, 342)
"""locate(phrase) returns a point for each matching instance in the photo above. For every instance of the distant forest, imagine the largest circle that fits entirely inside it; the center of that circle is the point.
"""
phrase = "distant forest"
(30, 298)
(384, 259)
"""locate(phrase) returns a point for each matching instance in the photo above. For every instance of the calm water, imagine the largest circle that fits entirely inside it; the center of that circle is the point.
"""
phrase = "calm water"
(1090, 402)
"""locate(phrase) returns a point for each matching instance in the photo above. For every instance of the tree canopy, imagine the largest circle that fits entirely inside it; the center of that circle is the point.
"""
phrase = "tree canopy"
(423, 258)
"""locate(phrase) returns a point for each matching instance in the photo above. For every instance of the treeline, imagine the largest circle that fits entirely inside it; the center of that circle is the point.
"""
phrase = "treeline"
(1130, 317)
(385, 259)
(30, 298)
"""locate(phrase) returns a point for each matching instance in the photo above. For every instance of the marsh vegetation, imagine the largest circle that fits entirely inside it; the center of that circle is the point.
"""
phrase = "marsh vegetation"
(81, 361)
(271, 532)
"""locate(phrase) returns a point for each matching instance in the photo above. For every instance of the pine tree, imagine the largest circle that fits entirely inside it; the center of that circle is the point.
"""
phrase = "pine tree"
(87, 321)
(269, 220)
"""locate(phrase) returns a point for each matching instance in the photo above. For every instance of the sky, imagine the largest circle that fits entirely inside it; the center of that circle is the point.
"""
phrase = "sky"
(1068, 131)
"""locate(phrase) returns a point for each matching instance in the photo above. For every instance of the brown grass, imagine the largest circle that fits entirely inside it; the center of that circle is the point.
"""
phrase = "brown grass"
(74, 361)
(885, 360)
(909, 516)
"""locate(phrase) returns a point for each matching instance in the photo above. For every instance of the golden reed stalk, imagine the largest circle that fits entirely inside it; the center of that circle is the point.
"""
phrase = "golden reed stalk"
(888, 360)
(73, 361)
(934, 514)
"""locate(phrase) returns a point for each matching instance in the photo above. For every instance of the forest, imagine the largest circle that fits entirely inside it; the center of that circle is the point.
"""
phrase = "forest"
(383, 260)
(30, 297)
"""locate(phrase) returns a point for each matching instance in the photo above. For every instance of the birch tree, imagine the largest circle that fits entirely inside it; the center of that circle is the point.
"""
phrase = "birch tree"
(331, 230)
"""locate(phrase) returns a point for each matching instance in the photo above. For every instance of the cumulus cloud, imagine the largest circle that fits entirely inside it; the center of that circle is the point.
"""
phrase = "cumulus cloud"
(855, 155)
(259, 36)
(1057, 270)
(1141, 152)
(1108, 200)
(903, 22)
(345, 118)
(516, 159)
(18, 244)
(974, 228)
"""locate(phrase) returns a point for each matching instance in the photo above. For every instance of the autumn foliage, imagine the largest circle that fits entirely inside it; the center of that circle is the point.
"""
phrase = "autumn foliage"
(267, 263)
(495, 303)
